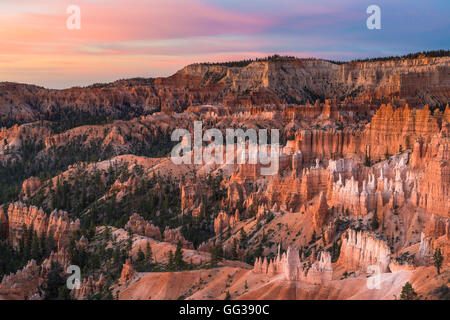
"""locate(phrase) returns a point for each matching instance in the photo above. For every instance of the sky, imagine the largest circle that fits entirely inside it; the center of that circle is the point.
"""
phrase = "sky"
(149, 38)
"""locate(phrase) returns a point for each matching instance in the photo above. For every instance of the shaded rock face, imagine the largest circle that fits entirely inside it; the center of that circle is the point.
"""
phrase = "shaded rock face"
(189, 197)
(138, 225)
(414, 81)
(361, 250)
(174, 236)
(57, 223)
(24, 284)
(224, 221)
(4, 228)
(88, 287)
(30, 186)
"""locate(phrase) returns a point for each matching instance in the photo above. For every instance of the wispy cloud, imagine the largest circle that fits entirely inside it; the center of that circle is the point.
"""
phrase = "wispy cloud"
(120, 38)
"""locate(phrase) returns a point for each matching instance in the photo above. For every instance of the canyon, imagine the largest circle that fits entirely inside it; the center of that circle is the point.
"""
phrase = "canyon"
(360, 204)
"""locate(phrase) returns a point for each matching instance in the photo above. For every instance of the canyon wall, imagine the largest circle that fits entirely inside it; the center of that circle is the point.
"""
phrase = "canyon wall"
(389, 131)
(271, 82)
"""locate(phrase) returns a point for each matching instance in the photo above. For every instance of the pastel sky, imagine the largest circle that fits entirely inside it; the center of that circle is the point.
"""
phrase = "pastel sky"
(148, 38)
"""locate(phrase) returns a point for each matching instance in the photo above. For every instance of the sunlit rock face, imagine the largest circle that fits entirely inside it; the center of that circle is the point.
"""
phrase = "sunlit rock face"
(433, 157)
(293, 269)
(273, 82)
(360, 250)
(128, 272)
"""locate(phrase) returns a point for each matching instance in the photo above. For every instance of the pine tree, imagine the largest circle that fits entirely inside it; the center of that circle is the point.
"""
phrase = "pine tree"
(51, 243)
(375, 223)
(260, 250)
(140, 256)
(54, 281)
(148, 253)
(117, 256)
(386, 154)
(408, 292)
(35, 250)
(216, 254)
(243, 236)
(313, 237)
(107, 234)
(178, 258)
(170, 262)
(438, 259)
(91, 232)
(234, 254)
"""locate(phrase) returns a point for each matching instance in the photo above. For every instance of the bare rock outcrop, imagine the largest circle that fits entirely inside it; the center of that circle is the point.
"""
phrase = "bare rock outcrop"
(225, 221)
(30, 186)
(425, 249)
(88, 287)
(138, 225)
(361, 250)
(174, 236)
(24, 283)
(127, 272)
(293, 269)
(57, 223)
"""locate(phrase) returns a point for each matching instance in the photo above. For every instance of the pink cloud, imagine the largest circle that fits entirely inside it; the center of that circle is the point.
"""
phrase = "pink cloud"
(127, 20)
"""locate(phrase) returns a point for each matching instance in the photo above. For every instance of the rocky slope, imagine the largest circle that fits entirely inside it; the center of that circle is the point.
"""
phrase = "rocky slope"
(418, 81)
(359, 206)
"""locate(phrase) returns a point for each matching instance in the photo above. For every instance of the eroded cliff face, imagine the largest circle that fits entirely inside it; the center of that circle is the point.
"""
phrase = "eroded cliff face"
(298, 80)
(433, 157)
(389, 131)
(293, 269)
(290, 81)
(57, 223)
(361, 251)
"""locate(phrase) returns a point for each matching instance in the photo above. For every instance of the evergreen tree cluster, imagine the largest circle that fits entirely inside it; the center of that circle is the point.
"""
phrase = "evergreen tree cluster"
(31, 246)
